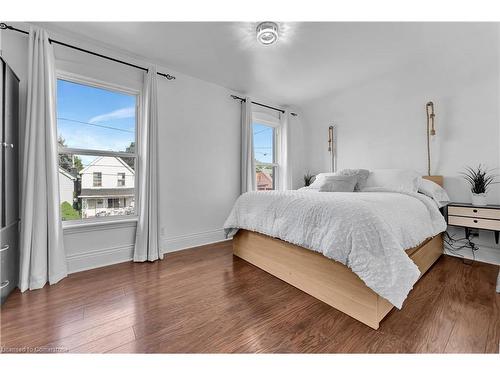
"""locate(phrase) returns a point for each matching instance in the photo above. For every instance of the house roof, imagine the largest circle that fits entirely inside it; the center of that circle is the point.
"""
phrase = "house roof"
(98, 159)
(66, 174)
(107, 193)
(264, 179)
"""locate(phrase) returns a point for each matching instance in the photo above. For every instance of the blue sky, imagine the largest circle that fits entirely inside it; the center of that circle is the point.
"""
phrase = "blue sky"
(82, 111)
(263, 143)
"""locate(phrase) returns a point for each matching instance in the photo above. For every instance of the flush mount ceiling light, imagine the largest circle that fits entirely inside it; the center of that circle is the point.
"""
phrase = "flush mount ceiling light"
(267, 33)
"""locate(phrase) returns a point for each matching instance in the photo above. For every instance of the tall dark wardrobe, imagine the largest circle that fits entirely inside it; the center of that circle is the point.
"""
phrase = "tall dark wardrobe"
(9, 203)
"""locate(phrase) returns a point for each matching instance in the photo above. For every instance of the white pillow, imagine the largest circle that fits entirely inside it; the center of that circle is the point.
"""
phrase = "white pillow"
(360, 174)
(338, 184)
(394, 179)
(318, 180)
(434, 191)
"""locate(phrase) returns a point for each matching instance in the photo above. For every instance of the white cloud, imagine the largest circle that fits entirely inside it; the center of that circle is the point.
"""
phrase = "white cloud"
(128, 112)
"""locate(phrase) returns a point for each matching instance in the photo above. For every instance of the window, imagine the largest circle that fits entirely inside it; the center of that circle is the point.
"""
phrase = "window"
(121, 178)
(265, 152)
(97, 178)
(116, 202)
(96, 127)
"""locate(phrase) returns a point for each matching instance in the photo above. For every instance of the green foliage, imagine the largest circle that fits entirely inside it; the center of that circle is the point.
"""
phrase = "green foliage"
(65, 161)
(68, 161)
(479, 179)
(308, 178)
(78, 163)
(265, 169)
(68, 212)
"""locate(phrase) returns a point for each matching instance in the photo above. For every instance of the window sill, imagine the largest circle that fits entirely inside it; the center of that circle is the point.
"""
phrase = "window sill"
(78, 225)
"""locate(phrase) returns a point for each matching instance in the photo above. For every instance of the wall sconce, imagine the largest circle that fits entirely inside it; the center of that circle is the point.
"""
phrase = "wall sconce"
(332, 149)
(431, 131)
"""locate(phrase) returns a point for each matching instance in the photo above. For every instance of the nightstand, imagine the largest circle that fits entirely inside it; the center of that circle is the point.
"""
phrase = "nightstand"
(468, 216)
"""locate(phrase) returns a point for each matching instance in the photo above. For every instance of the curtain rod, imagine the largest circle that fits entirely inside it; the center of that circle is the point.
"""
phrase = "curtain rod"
(4, 26)
(262, 105)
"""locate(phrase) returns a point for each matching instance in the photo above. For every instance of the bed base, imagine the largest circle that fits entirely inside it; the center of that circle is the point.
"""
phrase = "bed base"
(323, 278)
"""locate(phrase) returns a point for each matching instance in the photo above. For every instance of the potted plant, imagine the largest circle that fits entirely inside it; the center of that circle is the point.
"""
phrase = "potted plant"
(479, 179)
(308, 179)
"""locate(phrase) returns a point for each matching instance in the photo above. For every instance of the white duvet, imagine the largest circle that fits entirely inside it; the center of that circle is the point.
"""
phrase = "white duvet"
(368, 232)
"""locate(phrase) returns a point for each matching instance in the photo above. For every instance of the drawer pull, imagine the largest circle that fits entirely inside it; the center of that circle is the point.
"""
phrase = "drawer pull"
(475, 221)
(4, 284)
(475, 211)
(6, 247)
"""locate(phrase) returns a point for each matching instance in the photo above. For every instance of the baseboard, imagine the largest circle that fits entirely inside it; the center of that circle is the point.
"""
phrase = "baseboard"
(177, 243)
(483, 254)
(99, 258)
(113, 255)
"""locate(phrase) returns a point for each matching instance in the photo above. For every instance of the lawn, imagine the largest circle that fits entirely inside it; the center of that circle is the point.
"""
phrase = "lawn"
(68, 212)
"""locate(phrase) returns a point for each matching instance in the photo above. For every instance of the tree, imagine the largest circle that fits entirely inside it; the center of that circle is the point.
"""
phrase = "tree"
(70, 163)
(77, 162)
(65, 160)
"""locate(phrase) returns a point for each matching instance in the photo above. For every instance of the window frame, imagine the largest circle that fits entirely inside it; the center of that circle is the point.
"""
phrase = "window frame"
(88, 81)
(94, 175)
(121, 179)
(265, 119)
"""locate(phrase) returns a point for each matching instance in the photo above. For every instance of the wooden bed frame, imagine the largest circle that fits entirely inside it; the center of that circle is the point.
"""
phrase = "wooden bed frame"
(324, 278)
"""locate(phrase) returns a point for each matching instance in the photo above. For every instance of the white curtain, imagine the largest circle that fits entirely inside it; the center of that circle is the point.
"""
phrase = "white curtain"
(147, 243)
(42, 249)
(285, 173)
(248, 180)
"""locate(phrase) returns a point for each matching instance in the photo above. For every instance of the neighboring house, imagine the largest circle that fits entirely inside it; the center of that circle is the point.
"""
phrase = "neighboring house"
(66, 186)
(107, 188)
(264, 181)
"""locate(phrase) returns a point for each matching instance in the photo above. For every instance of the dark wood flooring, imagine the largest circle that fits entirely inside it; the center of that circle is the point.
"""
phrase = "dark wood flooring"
(205, 300)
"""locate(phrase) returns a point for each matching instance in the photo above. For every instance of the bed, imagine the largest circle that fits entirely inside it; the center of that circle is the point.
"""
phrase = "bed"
(359, 288)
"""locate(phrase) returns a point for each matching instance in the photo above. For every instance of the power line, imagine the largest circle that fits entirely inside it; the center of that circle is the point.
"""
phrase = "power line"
(261, 131)
(96, 125)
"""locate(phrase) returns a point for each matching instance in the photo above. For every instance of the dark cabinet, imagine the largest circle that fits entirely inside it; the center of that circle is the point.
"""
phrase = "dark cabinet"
(9, 180)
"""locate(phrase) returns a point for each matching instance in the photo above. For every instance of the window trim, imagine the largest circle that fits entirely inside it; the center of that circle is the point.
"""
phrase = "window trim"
(265, 119)
(120, 179)
(94, 175)
(92, 82)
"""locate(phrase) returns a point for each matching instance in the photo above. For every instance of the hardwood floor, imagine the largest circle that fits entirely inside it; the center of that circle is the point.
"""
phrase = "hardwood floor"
(205, 300)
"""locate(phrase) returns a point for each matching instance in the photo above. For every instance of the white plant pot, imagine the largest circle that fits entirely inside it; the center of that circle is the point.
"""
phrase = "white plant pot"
(479, 199)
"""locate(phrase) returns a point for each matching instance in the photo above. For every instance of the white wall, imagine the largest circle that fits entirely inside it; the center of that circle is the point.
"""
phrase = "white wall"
(381, 122)
(66, 188)
(199, 160)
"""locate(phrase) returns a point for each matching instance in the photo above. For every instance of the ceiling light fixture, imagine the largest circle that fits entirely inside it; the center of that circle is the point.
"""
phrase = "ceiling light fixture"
(267, 33)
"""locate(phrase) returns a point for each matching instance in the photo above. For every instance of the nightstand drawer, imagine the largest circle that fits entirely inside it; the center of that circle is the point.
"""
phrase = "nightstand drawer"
(486, 213)
(471, 222)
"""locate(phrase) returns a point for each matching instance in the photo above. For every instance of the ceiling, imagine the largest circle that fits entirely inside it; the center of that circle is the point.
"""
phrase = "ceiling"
(310, 60)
